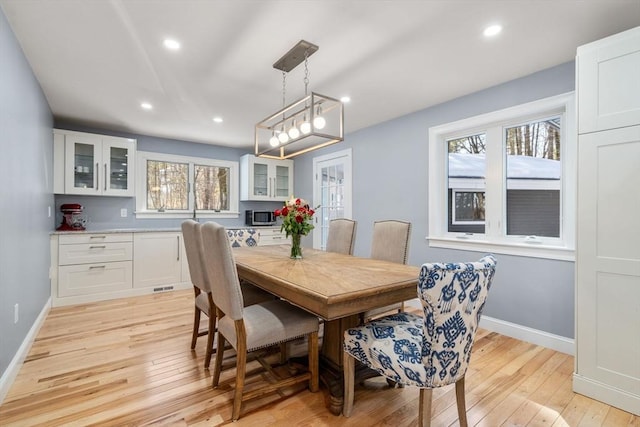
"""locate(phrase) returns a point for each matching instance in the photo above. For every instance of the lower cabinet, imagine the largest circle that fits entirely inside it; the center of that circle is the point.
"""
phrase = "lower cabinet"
(88, 264)
(88, 267)
(271, 236)
(158, 259)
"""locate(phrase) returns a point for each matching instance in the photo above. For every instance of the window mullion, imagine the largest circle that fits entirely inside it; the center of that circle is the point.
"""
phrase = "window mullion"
(494, 179)
(191, 187)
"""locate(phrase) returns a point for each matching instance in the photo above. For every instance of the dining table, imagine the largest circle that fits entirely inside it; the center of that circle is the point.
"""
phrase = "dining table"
(338, 288)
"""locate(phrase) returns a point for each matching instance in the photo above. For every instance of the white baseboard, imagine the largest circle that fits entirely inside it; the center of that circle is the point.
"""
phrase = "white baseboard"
(16, 363)
(524, 333)
(607, 394)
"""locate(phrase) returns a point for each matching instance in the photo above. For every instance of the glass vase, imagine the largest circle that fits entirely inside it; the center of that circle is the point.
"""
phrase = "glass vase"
(296, 249)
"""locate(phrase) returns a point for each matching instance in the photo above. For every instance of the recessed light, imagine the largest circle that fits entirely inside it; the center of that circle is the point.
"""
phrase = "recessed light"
(492, 30)
(171, 44)
(217, 119)
(345, 99)
(146, 106)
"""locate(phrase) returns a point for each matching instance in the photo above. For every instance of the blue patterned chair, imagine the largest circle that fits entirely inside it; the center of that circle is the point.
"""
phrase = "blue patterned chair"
(435, 352)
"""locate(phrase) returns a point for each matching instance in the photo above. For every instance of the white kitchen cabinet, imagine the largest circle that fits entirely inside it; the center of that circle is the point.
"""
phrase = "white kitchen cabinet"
(272, 236)
(158, 259)
(92, 164)
(92, 264)
(265, 179)
(608, 230)
(609, 82)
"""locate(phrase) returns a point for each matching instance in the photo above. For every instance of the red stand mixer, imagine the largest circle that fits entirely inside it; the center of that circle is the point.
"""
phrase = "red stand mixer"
(72, 217)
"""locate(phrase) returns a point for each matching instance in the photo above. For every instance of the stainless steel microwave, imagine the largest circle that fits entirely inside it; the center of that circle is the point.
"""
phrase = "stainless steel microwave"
(253, 217)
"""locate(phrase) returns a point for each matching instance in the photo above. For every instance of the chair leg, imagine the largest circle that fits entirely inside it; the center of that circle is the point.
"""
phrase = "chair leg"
(241, 367)
(217, 367)
(349, 364)
(424, 407)
(462, 406)
(210, 337)
(196, 327)
(313, 362)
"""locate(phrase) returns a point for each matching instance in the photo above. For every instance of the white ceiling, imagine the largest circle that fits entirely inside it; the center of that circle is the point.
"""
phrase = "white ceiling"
(97, 60)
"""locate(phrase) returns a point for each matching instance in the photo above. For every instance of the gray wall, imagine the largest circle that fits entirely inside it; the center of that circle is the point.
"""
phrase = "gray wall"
(390, 169)
(26, 144)
(391, 181)
(104, 212)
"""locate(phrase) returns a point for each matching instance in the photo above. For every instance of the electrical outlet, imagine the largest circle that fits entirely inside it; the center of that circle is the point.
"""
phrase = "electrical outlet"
(16, 313)
(123, 212)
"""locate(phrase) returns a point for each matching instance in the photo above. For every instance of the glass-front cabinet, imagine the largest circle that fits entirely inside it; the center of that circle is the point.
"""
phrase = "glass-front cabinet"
(265, 179)
(93, 164)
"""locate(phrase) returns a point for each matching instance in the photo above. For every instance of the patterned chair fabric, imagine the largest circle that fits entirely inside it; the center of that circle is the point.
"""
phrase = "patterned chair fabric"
(434, 350)
(243, 237)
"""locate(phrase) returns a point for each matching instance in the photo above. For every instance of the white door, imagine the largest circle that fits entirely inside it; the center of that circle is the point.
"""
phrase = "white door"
(332, 191)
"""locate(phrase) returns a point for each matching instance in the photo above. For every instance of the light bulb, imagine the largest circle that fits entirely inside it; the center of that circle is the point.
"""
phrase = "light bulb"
(294, 132)
(319, 122)
(274, 141)
(305, 127)
(283, 137)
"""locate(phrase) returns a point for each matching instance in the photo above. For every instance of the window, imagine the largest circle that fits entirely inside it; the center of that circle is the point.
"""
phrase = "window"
(503, 182)
(177, 186)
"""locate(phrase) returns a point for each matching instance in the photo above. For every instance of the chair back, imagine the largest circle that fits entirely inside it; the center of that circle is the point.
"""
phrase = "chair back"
(390, 241)
(221, 270)
(452, 296)
(194, 250)
(342, 235)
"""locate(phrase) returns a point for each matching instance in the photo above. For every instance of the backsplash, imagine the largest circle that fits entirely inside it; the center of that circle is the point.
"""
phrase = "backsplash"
(104, 213)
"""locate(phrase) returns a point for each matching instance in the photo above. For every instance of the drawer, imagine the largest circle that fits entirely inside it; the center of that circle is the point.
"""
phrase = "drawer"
(272, 236)
(95, 252)
(72, 239)
(272, 231)
(88, 279)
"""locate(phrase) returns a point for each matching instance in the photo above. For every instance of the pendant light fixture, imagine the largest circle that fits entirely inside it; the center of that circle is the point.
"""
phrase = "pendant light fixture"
(313, 122)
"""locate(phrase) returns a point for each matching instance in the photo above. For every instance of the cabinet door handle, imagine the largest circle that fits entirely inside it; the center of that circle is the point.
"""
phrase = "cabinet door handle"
(98, 247)
(97, 266)
(97, 237)
(97, 176)
(178, 258)
(105, 177)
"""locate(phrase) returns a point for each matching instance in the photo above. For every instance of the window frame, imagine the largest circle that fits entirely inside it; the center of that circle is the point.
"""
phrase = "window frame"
(141, 186)
(453, 206)
(495, 238)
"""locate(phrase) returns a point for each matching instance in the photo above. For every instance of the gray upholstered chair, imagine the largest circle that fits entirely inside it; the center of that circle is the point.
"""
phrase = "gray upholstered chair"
(425, 351)
(253, 327)
(342, 235)
(202, 288)
(390, 242)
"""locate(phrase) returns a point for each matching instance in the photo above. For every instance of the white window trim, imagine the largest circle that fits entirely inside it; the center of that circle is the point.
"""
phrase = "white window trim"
(141, 186)
(562, 248)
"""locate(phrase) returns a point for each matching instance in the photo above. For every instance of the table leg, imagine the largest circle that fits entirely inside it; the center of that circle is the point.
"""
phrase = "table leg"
(331, 369)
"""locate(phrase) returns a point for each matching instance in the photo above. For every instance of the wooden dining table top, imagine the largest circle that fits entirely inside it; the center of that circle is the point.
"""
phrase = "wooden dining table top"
(330, 285)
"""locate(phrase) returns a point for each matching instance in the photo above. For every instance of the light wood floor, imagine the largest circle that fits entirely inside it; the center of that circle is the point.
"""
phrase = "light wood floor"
(128, 363)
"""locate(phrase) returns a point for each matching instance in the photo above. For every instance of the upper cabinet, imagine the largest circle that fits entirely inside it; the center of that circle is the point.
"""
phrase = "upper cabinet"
(609, 82)
(91, 164)
(265, 179)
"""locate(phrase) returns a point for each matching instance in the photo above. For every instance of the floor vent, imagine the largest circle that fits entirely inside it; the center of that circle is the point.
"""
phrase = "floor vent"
(166, 288)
